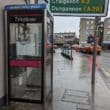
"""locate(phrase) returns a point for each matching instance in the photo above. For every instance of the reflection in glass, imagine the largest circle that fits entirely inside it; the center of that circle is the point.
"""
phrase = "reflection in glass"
(25, 52)
(25, 83)
(25, 40)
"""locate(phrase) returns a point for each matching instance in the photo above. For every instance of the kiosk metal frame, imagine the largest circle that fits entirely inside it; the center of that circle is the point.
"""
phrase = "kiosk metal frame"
(25, 54)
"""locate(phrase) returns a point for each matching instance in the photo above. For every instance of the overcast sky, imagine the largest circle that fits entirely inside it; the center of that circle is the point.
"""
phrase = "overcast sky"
(69, 24)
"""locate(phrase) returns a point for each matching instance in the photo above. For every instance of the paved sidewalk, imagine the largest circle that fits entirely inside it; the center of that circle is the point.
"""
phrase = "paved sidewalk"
(72, 86)
(105, 73)
(103, 62)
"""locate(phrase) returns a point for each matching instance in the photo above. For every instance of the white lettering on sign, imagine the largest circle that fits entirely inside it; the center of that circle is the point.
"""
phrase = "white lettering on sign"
(66, 9)
(65, 2)
(24, 19)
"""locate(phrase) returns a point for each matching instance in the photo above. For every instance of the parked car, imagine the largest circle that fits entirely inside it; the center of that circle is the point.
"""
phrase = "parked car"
(81, 48)
(84, 49)
(75, 47)
(89, 48)
(55, 46)
(66, 46)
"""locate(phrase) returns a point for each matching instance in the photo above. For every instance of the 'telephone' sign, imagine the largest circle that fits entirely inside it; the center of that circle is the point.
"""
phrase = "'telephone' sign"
(79, 7)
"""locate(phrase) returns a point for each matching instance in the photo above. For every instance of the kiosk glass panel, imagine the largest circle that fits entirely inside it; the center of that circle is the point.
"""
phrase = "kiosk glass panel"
(25, 60)
(49, 58)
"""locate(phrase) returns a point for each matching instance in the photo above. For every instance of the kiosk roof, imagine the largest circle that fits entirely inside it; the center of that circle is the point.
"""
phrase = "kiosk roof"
(25, 7)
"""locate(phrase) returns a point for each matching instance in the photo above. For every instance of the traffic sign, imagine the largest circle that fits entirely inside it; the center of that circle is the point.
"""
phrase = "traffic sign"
(79, 7)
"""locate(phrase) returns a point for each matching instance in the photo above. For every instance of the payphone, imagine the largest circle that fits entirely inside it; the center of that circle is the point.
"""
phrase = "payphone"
(29, 59)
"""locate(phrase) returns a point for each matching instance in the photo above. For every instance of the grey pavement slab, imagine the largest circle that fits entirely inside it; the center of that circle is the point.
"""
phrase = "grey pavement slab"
(22, 106)
(83, 107)
(75, 99)
(76, 93)
(72, 86)
(59, 105)
(76, 96)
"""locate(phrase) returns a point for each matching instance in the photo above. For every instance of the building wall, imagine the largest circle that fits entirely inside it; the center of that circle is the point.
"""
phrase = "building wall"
(86, 28)
(2, 4)
(66, 36)
(39, 1)
(106, 38)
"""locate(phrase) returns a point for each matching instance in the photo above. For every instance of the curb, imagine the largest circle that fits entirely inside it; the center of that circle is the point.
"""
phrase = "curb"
(67, 56)
(104, 70)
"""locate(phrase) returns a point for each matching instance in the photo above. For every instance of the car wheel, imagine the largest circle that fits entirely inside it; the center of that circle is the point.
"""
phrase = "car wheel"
(88, 52)
(98, 53)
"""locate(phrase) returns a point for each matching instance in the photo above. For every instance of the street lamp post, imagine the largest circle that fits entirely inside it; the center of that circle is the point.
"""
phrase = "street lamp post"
(97, 20)
(94, 62)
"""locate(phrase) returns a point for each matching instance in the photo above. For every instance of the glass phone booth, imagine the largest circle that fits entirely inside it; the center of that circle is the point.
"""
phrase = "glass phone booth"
(29, 60)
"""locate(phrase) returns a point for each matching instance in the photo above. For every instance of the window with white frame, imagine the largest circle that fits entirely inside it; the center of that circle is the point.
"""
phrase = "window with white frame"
(87, 22)
(108, 33)
(92, 27)
(87, 27)
(92, 22)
